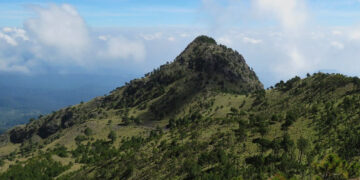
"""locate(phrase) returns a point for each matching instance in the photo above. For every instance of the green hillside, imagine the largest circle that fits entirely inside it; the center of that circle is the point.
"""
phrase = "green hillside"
(203, 116)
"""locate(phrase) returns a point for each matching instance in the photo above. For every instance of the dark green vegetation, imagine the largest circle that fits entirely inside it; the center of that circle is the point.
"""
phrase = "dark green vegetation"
(203, 116)
(41, 167)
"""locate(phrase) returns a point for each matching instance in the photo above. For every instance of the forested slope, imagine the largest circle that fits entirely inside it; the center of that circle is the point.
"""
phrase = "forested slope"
(203, 116)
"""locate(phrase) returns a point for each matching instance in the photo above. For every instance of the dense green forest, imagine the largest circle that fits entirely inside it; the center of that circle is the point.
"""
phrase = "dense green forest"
(203, 116)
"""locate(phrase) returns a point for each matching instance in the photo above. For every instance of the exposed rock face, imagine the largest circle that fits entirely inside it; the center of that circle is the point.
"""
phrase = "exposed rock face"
(19, 134)
(43, 127)
(203, 55)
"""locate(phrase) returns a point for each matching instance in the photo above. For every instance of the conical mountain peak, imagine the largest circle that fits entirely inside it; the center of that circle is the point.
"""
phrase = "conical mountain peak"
(204, 55)
(204, 39)
(203, 67)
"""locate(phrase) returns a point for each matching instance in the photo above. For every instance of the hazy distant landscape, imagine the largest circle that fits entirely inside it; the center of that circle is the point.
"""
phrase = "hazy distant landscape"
(25, 97)
(190, 89)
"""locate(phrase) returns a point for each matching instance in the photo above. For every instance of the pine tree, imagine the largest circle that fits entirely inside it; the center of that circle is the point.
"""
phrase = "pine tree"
(302, 145)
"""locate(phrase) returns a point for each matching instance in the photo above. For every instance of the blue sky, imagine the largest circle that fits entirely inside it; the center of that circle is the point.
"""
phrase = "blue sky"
(278, 38)
(140, 13)
(113, 13)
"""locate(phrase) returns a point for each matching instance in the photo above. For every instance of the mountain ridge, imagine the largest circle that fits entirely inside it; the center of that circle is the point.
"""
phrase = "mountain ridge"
(203, 116)
(171, 84)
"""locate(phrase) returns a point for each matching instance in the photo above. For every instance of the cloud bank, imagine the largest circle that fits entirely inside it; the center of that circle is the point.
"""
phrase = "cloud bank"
(286, 40)
(278, 38)
(58, 38)
(60, 28)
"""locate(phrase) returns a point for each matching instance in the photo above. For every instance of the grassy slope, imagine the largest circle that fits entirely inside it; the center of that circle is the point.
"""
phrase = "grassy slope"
(220, 131)
(156, 157)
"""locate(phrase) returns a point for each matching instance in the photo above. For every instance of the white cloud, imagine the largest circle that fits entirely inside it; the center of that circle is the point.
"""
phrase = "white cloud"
(291, 64)
(171, 38)
(336, 32)
(232, 37)
(318, 35)
(252, 40)
(222, 14)
(7, 29)
(297, 60)
(120, 47)
(184, 35)
(58, 38)
(354, 34)
(16, 33)
(103, 38)
(337, 45)
(5, 67)
(292, 14)
(11, 35)
(60, 27)
(225, 40)
(290, 44)
(152, 36)
(8, 39)
(12, 62)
